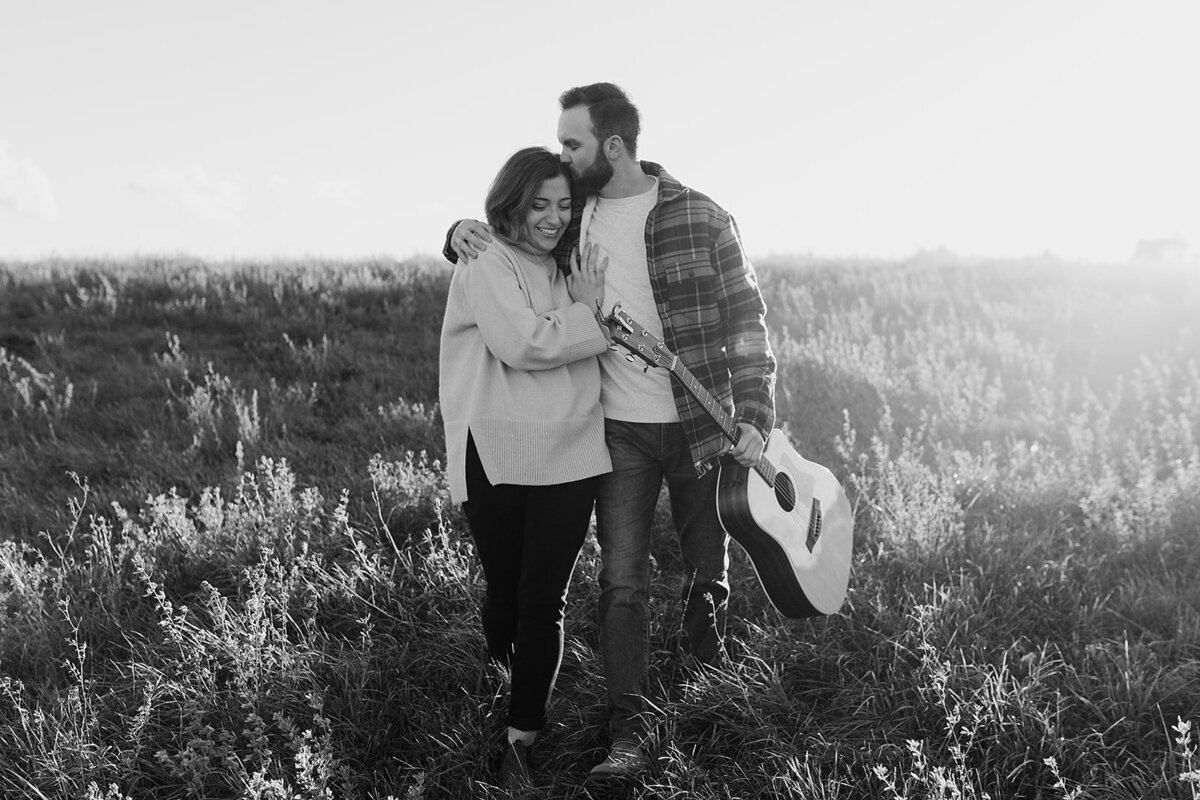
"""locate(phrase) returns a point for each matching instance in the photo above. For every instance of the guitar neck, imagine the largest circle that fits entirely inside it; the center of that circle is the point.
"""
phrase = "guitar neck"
(718, 413)
(641, 343)
(709, 403)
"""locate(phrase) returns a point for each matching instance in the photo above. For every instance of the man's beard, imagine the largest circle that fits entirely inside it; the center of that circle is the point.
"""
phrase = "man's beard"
(596, 176)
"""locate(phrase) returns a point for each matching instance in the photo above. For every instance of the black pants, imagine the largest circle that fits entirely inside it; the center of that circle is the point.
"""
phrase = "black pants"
(528, 539)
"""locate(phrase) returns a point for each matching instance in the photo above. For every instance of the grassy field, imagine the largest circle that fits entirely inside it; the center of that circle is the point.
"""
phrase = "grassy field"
(229, 567)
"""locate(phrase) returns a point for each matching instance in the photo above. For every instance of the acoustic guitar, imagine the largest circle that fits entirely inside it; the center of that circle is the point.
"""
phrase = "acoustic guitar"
(790, 515)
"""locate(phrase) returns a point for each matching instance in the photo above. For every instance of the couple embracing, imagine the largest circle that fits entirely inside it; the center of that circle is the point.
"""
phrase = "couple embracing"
(543, 422)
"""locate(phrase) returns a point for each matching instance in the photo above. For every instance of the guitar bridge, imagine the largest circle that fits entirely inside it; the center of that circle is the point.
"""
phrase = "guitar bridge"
(814, 524)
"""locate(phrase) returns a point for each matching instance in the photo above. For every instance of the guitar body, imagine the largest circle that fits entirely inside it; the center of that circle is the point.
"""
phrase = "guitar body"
(799, 539)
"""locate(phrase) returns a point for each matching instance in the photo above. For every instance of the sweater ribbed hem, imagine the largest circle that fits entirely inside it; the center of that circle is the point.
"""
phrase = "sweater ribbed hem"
(528, 452)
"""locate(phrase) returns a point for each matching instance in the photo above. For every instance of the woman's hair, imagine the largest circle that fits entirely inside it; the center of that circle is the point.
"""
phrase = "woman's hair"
(513, 190)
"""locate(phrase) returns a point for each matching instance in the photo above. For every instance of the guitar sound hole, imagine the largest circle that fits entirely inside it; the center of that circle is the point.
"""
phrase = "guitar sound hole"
(785, 492)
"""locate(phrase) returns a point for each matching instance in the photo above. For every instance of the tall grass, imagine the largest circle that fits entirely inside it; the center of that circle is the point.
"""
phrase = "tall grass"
(229, 566)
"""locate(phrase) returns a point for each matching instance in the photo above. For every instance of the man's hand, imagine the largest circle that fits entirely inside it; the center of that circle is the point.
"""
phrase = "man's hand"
(470, 238)
(749, 447)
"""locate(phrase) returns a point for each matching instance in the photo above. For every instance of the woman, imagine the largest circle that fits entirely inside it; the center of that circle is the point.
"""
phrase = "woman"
(520, 399)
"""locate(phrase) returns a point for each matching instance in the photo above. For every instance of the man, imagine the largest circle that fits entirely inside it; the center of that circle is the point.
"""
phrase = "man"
(676, 265)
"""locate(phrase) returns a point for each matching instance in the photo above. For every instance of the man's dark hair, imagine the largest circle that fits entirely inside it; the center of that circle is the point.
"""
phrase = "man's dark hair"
(512, 192)
(612, 112)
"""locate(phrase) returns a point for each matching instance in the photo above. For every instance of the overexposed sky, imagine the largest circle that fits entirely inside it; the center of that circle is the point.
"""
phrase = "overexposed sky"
(873, 127)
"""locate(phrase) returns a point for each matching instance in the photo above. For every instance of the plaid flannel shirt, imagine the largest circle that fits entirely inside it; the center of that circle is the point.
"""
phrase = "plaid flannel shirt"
(711, 308)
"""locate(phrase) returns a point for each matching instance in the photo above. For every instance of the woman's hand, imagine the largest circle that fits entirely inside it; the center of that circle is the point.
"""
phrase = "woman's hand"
(586, 281)
(470, 238)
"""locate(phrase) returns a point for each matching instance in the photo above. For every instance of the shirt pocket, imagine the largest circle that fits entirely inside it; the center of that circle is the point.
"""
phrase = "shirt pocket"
(690, 269)
(691, 285)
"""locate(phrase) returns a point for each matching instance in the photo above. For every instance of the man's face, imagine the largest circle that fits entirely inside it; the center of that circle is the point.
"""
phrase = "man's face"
(581, 150)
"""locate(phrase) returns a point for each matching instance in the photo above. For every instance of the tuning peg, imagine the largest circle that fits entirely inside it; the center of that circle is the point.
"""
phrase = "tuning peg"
(629, 358)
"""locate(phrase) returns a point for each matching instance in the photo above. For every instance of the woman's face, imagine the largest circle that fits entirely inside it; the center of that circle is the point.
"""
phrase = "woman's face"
(548, 215)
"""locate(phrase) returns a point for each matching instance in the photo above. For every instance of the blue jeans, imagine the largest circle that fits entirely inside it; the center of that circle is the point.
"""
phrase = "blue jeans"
(643, 454)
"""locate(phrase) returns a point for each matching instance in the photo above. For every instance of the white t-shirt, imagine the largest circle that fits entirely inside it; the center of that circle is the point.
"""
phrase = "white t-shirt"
(627, 392)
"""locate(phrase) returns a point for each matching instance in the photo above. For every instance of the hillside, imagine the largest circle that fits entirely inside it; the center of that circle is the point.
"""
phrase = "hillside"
(229, 566)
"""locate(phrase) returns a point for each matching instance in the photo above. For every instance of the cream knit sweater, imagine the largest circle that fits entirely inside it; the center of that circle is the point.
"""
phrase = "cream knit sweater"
(518, 370)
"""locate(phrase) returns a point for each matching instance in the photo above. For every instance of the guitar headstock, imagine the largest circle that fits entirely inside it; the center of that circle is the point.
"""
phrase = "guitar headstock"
(628, 333)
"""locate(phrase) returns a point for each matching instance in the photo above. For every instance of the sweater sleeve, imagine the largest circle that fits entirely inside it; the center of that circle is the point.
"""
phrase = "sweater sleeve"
(512, 331)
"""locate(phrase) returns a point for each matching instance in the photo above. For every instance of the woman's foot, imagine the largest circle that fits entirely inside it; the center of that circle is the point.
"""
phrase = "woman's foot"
(514, 769)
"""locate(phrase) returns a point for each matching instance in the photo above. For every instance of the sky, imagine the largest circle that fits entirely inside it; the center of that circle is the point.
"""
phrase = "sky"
(859, 128)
